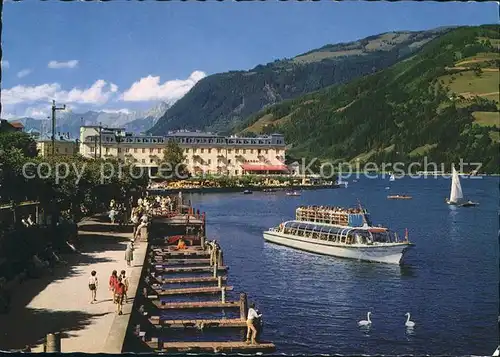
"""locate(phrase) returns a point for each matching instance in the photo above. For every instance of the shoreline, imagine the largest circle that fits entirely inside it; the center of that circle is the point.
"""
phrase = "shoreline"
(239, 189)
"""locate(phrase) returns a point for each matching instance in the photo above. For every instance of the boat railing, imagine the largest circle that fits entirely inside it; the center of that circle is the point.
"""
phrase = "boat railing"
(329, 217)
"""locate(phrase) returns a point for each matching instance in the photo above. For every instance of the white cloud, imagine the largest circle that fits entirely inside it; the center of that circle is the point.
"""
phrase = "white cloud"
(59, 65)
(114, 87)
(149, 88)
(5, 64)
(115, 111)
(98, 93)
(37, 112)
(24, 73)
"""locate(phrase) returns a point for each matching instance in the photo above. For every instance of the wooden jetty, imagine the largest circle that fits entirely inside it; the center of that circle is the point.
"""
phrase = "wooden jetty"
(185, 291)
(216, 347)
(189, 269)
(193, 305)
(199, 323)
(196, 279)
(166, 259)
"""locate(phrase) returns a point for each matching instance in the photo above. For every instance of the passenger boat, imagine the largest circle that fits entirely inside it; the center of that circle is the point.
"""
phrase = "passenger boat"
(392, 178)
(247, 192)
(399, 197)
(340, 232)
(456, 193)
(293, 193)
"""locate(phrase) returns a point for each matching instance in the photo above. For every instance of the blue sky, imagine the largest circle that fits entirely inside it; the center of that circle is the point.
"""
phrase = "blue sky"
(120, 43)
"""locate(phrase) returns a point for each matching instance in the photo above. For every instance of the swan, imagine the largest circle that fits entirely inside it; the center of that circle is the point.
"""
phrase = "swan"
(408, 322)
(365, 322)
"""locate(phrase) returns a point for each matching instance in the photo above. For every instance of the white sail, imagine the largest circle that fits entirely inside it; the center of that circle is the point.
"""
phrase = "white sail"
(456, 194)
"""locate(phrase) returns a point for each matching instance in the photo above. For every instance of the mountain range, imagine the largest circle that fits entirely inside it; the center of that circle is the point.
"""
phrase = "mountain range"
(69, 122)
(440, 105)
(220, 102)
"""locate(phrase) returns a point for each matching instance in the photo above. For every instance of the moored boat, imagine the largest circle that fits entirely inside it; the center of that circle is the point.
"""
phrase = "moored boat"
(247, 192)
(340, 232)
(293, 193)
(399, 197)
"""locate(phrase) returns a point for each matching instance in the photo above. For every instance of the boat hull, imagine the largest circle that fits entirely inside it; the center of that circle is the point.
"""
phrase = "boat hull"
(388, 253)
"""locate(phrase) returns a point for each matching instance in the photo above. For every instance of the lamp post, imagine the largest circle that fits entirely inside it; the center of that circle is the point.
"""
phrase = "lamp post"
(54, 109)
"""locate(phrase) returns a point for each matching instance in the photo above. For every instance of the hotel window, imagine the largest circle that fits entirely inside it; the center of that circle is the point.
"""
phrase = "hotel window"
(187, 151)
(159, 150)
(92, 149)
(237, 151)
(258, 151)
(107, 150)
(229, 162)
(151, 161)
(127, 150)
(143, 161)
(229, 151)
(151, 150)
(119, 150)
(277, 152)
(236, 172)
(266, 151)
(194, 151)
(244, 151)
(218, 151)
(251, 151)
(135, 150)
(143, 150)
(202, 150)
(209, 151)
(209, 161)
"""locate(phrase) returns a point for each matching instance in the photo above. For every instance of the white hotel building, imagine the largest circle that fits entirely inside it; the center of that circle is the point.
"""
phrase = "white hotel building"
(204, 152)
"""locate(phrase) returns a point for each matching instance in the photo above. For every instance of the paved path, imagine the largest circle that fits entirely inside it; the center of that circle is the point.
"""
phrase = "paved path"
(61, 303)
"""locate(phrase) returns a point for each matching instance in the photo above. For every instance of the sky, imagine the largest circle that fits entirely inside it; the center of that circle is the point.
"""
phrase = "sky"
(128, 55)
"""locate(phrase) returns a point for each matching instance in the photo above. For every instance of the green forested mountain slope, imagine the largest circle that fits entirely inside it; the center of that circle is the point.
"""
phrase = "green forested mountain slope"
(221, 101)
(441, 103)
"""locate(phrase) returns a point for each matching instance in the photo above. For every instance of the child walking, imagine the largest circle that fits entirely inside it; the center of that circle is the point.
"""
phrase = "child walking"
(93, 286)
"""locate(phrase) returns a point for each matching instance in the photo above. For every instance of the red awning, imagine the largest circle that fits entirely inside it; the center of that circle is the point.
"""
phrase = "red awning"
(248, 167)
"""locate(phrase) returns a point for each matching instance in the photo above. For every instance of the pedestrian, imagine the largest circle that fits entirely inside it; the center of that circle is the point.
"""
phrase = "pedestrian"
(251, 330)
(113, 279)
(129, 253)
(93, 286)
(124, 280)
(120, 292)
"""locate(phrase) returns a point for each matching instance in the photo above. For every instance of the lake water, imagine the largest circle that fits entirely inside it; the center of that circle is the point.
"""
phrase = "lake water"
(311, 303)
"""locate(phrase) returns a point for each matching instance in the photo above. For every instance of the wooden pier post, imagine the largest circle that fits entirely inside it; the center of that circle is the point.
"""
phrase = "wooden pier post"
(202, 241)
(223, 294)
(215, 270)
(220, 257)
(53, 342)
(243, 306)
(219, 281)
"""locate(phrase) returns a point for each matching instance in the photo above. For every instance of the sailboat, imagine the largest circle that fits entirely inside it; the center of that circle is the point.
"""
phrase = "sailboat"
(392, 178)
(456, 194)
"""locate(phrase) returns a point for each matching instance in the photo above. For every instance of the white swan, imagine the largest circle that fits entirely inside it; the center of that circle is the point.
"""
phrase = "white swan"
(365, 322)
(408, 322)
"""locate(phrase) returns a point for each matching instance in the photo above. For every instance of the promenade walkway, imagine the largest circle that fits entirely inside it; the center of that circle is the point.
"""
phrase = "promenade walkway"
(61, 303)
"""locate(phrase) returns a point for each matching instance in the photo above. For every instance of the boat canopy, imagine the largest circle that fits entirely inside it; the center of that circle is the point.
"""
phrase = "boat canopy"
(347, 235)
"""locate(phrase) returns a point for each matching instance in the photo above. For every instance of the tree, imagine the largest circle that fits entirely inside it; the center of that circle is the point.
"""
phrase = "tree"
(173, 160)
(18, 140)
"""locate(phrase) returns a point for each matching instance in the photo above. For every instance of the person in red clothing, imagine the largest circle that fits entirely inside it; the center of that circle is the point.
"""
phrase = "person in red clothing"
(113, 281)
(120, 293)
